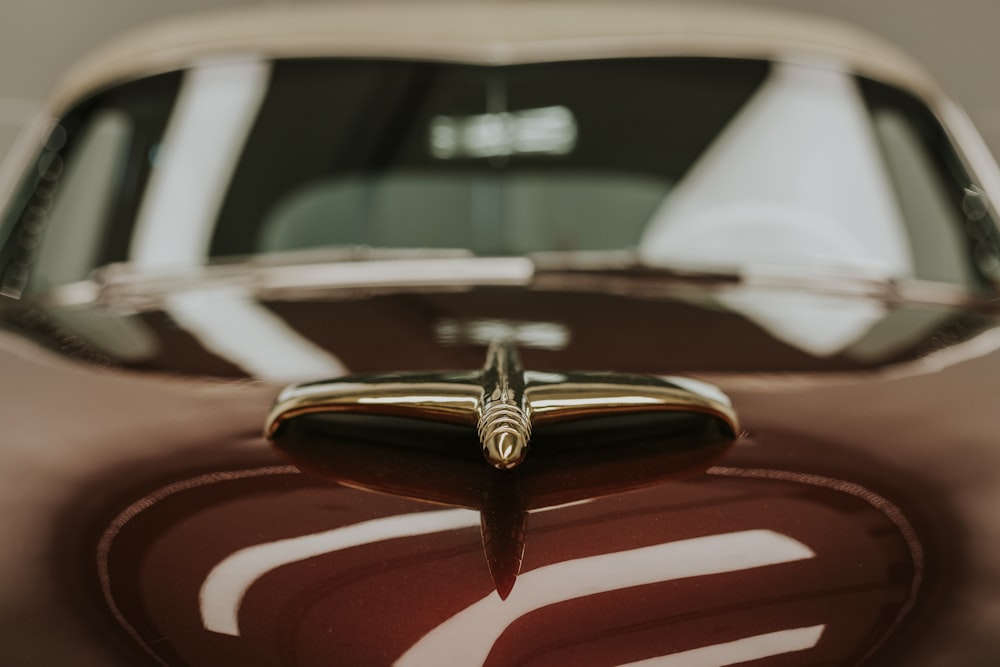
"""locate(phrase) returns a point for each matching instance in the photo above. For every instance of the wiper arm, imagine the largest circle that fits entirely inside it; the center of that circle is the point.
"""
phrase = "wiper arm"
(626, 272)
(625, 263)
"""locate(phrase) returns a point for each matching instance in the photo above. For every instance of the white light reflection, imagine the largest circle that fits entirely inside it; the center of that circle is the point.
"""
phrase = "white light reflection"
(739, 651)
(759, 195)
(233, 325)
(215, 111)
(223, 590)
(542, 404)
(542, 377)
(216, 107)
(468, 637)
(700, 388)
(444, 271)
(820, 324)
(536, 335)
(470, 403)
(761, 198)
(543, 131)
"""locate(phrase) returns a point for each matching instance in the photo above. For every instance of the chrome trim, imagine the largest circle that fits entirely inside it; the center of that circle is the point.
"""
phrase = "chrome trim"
(504, 415)
(502, 401)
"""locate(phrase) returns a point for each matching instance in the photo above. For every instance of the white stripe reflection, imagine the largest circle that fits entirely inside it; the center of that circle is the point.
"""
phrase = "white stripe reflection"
(468, 637)
(222, 593)
(215, 109)
(739, 651)
(241, 330)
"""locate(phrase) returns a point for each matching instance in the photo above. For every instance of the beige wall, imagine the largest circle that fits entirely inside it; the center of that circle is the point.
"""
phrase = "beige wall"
(39, 39)
(955, 39)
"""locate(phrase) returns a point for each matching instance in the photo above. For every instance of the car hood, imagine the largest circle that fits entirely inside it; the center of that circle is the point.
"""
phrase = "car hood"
(601, 322)
(842, 526)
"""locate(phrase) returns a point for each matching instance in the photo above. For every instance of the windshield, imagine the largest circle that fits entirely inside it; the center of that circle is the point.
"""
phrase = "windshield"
(691, 163)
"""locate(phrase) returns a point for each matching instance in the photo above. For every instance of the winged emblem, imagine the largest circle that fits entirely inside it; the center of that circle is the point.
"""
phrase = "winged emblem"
(502, 402)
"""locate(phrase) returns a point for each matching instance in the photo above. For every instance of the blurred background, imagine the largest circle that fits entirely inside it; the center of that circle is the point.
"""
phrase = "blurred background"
(956, 40)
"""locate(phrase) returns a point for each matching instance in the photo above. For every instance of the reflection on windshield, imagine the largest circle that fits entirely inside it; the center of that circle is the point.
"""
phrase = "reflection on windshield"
(546, 131)
(399, 176)
(687, 162)
(773, 187)
(213, 115)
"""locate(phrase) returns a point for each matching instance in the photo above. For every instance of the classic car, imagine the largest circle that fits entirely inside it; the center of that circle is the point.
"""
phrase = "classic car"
(500, 333)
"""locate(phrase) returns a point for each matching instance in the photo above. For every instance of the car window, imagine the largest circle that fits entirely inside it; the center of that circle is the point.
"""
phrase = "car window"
(500, 160)
(69, 248)
(76, 206)
(948, 222)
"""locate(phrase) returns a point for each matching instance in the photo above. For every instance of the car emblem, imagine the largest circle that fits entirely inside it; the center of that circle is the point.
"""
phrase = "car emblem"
(502, 402)
(596, 433)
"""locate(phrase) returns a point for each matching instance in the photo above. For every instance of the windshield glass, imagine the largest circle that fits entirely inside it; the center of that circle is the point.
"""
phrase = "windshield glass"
(690, 163)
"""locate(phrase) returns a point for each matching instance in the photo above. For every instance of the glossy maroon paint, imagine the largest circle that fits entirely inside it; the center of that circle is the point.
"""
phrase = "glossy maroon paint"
(370, 603)
(651, 331)
(864, 468)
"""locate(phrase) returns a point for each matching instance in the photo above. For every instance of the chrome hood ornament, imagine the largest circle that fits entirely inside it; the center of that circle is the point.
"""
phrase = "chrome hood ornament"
(660, 428)
(502, 401)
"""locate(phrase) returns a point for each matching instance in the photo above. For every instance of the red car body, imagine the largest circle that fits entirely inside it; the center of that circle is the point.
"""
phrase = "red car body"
(850, 517)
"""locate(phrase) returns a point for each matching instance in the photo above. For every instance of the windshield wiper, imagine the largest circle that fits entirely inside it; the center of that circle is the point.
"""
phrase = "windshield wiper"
(626, 272)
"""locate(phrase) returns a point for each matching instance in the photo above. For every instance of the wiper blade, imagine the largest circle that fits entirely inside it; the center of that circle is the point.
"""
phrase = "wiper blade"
(627, 272)
(626, 261)
(551, 267)
(631, 259)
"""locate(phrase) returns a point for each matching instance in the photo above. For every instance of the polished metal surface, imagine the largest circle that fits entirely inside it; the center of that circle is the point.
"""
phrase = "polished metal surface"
(504, 417)
(503, 401)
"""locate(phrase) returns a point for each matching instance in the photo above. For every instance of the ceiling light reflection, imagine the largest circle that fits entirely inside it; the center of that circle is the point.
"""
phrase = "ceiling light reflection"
(544, 131)
(222, 592)
(741, 650)
(543, 404)
(468, 636)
